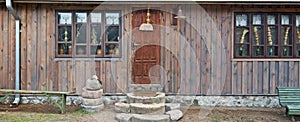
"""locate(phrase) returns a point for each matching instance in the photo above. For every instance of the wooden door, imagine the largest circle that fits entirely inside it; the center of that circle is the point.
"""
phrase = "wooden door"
(146, 49)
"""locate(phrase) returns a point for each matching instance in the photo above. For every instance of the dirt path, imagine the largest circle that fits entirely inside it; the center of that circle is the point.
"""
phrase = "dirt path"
(193, 114)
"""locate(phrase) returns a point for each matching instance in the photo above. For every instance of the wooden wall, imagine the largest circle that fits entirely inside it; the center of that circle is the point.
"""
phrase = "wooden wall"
(197, 63)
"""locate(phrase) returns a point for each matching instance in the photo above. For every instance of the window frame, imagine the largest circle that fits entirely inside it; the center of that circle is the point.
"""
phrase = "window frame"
(264, 12)
(88, 44)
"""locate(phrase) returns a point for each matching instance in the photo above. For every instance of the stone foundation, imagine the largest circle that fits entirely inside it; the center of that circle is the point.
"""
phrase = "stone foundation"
(226, 101)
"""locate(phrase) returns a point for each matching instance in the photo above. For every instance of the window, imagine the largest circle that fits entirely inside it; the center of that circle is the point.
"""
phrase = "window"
(88, 34)
(267, 35)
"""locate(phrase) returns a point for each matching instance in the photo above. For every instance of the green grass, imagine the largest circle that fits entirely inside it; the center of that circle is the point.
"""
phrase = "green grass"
(82, 112)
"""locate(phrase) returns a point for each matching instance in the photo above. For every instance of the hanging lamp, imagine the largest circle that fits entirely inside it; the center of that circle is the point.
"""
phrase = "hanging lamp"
(147, 26)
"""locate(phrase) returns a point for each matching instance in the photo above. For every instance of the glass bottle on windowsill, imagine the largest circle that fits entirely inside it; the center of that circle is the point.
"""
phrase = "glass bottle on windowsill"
(271, 51)
(257, 51)
(284, 51)
(69, 49)
(241, 50)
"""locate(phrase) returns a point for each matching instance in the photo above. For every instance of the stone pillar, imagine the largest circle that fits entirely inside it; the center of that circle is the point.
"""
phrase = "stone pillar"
(92, 95)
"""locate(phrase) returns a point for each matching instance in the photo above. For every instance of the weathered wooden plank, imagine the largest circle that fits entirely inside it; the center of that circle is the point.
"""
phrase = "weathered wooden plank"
(108, 79)
(266, 76)
(213, 44)
(59, 75)
(239, 78)
(272, 78)
(70, 76)
(11, 52)
(23, 47)
(245, 76)
(207, 44)
(194, 65)
(295, 74)
(31, 52)
(219, 50)
(197, 35)
(291, 78)
(2, 24)
(250, 76)
(260, 77)
(50, 50)
(42, 52)
(204, 53)
(167, 61)
(227, 24)
(187, 51)
(113, 76)
(80, 76)
(234, 77)
(255, 77)
(63, 80)
(6, 16)
(281, 75)
(103, 76)
(1, 46)
(38, 47)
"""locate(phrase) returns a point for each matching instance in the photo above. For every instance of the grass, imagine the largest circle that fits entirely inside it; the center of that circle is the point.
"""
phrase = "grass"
(81, 111)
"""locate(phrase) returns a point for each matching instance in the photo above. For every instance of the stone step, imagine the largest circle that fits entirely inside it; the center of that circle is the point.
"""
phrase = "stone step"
(159, 98)
(122, 107)
(150, 118)
(140, 108)
(172, 106)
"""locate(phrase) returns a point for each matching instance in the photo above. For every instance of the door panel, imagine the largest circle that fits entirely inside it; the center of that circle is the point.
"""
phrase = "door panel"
(146, 48)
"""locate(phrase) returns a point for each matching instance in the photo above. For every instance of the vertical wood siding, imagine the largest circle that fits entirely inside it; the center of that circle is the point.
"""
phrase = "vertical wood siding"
(199, 64)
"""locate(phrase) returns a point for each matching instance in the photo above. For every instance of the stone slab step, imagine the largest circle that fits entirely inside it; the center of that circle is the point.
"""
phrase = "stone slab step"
(159, 98)
(140, 108)
(150, 118)
(122, 107)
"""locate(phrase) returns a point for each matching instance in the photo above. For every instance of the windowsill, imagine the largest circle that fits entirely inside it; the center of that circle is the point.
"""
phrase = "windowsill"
(279, 59)
(88, 59)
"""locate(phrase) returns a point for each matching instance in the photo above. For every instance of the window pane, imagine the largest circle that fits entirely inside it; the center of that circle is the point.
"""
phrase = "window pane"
(286, 19)
(297, 20)
(64, 18)
(96, 50)
(80, 33)
(241, 50)
(81, 50)
(112, 49)
(112, 18)
(112, 33)
(96, 17)
(64, 33)
(81, 17)
(241, 20)
(257, 19)
(65, 49)
(95, 33)
(271, 19)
